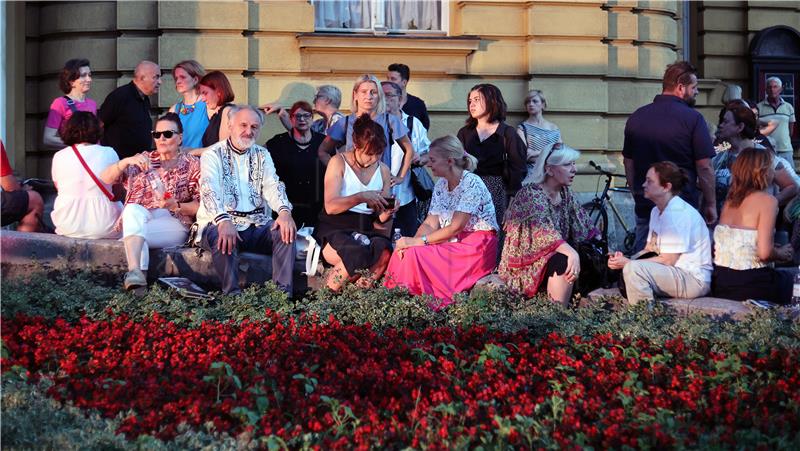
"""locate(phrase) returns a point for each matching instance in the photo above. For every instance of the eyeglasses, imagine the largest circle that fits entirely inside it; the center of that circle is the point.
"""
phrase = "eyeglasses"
(391, 95)
(167, 134)
(302, 116)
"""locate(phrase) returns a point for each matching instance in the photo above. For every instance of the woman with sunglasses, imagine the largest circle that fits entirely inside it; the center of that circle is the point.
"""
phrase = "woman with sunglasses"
(162, 198)
(297, 164)
(543, 226)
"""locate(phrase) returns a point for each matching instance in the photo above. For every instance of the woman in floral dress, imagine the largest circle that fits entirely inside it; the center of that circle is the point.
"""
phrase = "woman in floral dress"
(543, 225)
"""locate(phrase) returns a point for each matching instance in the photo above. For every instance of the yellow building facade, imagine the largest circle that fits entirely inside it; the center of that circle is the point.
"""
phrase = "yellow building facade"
(596, 61)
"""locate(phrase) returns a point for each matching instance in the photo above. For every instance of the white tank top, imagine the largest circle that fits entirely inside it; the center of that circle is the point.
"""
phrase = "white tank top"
(351, 184)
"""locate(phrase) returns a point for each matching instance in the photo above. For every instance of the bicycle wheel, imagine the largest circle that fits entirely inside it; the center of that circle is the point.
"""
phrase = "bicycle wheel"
(599, 217)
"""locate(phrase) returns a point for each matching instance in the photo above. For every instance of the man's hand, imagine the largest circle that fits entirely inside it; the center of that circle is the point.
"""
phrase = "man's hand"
(710, 214)
(617, 260)
(285, 223)
(228, 237)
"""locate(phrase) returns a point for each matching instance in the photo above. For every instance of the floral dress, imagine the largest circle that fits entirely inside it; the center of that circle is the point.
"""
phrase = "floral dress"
(534, 228)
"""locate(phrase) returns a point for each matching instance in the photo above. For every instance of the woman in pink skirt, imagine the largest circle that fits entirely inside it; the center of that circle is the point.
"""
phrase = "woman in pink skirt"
(457, 243)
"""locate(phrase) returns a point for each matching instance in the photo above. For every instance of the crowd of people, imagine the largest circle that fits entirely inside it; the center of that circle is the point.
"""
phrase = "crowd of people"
(502, 201)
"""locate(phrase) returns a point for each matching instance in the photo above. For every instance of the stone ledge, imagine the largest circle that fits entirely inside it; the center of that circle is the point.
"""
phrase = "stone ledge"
(21, 252)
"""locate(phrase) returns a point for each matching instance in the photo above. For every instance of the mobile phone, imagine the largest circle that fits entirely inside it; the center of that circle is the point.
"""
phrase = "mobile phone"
(389, 202)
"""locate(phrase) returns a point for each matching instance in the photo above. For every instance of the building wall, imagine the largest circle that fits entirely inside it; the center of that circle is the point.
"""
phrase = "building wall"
(596, 61)
(725, 31)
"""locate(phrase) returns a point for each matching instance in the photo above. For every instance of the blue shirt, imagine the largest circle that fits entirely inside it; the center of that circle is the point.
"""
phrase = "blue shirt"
(194, 120)
(666, 130)
(338, 133)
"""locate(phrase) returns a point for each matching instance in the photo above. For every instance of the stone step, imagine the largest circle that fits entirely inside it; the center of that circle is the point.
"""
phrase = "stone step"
(22, 252)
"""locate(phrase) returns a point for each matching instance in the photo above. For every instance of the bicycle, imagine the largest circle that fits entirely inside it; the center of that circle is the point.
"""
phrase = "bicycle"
(599, 214)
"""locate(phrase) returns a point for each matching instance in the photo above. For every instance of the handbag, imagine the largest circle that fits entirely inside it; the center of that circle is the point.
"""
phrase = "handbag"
(595, 274)
(421, 183)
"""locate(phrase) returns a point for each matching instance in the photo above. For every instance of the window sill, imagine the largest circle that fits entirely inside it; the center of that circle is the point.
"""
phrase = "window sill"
(358, 53)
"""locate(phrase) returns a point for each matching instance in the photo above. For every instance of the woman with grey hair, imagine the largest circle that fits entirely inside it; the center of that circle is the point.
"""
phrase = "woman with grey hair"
(543, 226)
(326, 103)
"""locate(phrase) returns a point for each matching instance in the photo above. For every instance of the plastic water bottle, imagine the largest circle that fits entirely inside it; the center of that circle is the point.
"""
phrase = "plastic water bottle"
(361, 238)
(396, 236)
(796, 290)
(154, 180)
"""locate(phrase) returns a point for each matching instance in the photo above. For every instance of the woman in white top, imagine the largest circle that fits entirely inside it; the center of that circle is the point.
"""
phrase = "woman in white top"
(457, 243)
(82, 209)
(354, 226)
(743, 240)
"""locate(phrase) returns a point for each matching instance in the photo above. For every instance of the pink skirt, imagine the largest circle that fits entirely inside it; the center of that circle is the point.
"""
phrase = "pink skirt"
(443, 269)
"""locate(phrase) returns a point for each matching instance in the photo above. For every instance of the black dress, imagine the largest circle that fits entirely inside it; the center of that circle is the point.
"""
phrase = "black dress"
(299, 168)
(211, 136)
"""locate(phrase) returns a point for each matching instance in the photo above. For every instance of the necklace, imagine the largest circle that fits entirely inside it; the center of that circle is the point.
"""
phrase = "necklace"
(362, 166)
(187, 109)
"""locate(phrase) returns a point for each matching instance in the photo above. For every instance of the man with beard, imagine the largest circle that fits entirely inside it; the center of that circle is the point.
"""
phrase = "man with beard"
(239, 189)
(669, 129)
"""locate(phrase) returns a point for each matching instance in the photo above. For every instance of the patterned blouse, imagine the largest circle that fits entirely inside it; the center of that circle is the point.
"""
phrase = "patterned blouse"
(469, 196)
(181, 182)
(535, 228)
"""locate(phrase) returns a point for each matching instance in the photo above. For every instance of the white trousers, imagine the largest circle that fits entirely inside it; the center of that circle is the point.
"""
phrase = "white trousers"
(644, 280)
(157, 227)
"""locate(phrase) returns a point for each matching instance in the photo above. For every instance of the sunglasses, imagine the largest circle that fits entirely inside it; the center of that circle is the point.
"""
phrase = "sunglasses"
(167, 134)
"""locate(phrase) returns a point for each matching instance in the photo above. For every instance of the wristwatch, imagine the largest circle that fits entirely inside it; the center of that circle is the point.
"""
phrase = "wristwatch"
(425, 240)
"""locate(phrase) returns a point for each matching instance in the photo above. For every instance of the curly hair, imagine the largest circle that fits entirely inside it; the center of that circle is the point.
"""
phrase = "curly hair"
(749, 173)
(82, 127)
(70, 73)
(368, 135)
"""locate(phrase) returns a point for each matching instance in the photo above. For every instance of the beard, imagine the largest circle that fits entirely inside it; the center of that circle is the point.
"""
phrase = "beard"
(690, 100)
(243, 142)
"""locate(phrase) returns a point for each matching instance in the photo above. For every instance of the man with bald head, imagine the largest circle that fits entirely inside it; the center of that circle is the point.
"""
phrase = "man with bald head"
(126, 112)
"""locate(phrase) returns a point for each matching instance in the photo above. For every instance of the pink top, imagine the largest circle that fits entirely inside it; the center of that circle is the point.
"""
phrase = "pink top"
(60, 112)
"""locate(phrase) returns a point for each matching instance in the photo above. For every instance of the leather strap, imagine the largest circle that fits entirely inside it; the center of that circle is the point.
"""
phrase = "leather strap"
(91, 174)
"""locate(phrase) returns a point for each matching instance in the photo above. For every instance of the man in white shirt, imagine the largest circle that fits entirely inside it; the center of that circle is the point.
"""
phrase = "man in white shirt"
(239, 189)
(678, 236)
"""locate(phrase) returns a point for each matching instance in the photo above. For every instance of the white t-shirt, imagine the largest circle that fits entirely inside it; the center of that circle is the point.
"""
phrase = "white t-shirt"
(681, 230)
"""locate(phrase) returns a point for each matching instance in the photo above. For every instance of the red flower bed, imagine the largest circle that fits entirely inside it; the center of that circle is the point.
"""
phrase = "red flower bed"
(339, 386)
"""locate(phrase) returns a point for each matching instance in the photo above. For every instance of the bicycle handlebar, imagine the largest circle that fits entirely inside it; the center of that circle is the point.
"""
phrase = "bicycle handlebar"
(603, 171)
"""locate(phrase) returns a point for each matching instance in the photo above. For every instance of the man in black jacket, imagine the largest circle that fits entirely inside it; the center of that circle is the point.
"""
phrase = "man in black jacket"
(414, 106)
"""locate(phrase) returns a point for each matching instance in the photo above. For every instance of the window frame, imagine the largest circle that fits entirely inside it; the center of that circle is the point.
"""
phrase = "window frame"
(378, 27)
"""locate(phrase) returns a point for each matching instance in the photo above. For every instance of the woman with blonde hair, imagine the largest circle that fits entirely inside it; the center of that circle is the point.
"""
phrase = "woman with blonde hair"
(457, 243)
(537, 132)
(368, 98)
(743, 239)
(191, 108)
(543, 226)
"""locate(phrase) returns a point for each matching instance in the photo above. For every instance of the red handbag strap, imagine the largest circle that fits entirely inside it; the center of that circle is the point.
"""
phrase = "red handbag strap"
(91, 174)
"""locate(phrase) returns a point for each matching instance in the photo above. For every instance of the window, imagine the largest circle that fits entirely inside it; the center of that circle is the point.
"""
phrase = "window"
(380, 16)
